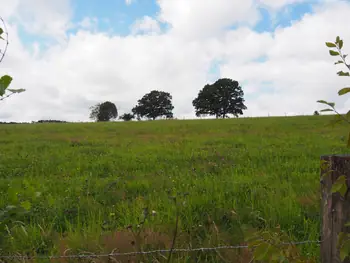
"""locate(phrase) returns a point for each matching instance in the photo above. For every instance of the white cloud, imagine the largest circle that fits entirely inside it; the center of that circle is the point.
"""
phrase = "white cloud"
(298, 64)
(206, 18)
(44, 17)
(146, 25)
(90, 67)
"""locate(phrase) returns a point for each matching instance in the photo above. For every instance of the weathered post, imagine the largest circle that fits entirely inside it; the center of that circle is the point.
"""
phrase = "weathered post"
(335, 209)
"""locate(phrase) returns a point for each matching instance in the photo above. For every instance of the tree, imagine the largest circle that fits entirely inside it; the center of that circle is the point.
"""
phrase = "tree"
(223, 97)
(104, 111)
(154, 104)
(316, 112)
(127, 117)
(5, 80)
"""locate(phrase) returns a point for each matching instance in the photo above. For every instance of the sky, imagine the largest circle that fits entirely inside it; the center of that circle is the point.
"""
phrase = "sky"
(72, 54)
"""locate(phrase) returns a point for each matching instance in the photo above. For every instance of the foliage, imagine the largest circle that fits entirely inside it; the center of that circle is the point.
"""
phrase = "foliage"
(127, 117)
(275, 246)
(223, 97)
(316, 113)
(104, 111)
(338, 45)
(51, 121)
(154, 104)
(5, 80)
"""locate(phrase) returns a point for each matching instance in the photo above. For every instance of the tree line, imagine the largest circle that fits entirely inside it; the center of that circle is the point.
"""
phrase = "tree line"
(220, 99)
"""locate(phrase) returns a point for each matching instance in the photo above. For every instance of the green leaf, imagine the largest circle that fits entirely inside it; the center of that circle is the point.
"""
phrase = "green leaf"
(326, 110)
(343, 190)
(339, 62)
(333, 53)
(261, 250)
(337, 39)
(331, 104)
(324, 165)
(338, 184)
(340, 44)
(343, 91)
(322, 101)
(344, 250)
(273, 253)
(342, 73)
(1, 31)
(5, 81)
(330, 44)
(26, 205)
(341, 238)
(16, 90)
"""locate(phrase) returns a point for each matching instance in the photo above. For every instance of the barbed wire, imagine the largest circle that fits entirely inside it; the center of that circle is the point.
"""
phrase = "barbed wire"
(176, 250)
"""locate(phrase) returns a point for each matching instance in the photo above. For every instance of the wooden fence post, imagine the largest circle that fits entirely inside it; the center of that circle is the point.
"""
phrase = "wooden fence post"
(335, 209)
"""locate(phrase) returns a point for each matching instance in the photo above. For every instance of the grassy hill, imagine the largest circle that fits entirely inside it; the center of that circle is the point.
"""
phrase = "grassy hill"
(83, 184)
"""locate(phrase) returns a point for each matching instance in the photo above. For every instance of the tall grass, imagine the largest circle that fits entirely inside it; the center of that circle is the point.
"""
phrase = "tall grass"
(86, 183)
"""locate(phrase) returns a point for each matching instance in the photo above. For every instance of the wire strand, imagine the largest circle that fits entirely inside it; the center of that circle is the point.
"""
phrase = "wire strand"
(177, 250)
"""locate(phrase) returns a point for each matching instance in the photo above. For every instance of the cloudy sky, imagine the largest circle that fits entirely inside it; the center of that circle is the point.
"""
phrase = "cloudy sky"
(72, 54)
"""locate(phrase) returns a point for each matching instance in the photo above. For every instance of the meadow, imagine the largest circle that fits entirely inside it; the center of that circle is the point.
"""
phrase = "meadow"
(86, 185)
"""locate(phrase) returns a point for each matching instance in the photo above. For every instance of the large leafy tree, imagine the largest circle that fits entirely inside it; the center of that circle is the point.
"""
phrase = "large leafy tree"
(223, 97)
(5, 80)
(104, 111)
(154, 104)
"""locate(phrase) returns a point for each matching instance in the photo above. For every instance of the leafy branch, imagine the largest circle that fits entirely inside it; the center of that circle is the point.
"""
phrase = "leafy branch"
(338, 45)
(5, 80)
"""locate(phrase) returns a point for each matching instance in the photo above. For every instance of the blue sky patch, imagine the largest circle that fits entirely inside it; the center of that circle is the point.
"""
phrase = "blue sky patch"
(284, 17)
(116, 16)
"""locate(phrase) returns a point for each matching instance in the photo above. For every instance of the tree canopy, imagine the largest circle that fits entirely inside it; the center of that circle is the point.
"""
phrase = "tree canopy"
(154, 104)
(104, 111)
(223, 97)
(127, 117)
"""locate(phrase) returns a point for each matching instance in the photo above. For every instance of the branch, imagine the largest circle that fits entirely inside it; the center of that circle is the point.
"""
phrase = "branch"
(342, 57)
(341, 115)
(2, 98)
(7, 42)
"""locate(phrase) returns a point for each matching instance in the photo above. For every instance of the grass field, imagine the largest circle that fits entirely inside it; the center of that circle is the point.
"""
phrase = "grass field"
(83, 184)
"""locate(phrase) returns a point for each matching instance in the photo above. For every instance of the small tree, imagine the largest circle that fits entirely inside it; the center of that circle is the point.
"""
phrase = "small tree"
(104, 111)
(316, 112)
(223, 97)
(154, 104)
(127, 117)
(338, 45)
(5, 80)
(341, 184)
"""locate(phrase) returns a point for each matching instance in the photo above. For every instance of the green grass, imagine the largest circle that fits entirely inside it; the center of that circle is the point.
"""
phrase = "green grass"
(95, 179)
